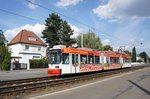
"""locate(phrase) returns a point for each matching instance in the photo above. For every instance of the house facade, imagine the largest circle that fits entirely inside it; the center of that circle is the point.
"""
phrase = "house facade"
(24, 46)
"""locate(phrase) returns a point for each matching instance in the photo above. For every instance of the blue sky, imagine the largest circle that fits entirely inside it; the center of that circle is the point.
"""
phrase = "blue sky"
(116, 22)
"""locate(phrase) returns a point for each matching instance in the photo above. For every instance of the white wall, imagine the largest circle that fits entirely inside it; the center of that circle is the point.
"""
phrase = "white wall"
(15, 49)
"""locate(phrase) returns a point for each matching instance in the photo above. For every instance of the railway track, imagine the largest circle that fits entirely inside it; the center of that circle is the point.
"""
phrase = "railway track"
(21, 81)
(20, 88)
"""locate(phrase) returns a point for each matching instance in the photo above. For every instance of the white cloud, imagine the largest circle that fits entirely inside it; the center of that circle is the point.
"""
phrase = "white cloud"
(106, 42)
(132, 40)
(77, 31)
(32, 6)
(121, 9)
(64, 3)
(37, 28)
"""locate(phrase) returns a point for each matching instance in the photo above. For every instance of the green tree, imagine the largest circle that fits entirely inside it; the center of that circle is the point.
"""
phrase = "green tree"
(148, 59)
(107, 48)
(57, 31)
(90, 41)
(134, 54)
(144, 55)
(6, 61)
(4, 53)
(139, 60)
(128, 52)
(2, 38)
(2, 47)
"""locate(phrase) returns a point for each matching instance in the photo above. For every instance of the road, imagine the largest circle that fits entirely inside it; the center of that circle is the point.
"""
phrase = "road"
(22, 74)
(131, 85)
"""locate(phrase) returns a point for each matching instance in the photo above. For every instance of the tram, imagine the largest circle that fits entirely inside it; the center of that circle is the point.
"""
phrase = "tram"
(69, 60)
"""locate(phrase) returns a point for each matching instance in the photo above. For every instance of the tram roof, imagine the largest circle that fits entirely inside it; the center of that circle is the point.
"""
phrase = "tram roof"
(116, 54)
(80, 51)
(87, 51)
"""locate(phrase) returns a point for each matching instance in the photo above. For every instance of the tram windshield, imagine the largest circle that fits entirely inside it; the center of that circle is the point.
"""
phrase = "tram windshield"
(54, 56)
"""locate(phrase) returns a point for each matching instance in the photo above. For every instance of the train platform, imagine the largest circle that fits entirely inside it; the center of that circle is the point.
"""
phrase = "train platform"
(131, 85)
(22, 74)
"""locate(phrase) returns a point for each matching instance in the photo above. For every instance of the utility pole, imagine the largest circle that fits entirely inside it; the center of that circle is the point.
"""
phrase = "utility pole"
(82, 40)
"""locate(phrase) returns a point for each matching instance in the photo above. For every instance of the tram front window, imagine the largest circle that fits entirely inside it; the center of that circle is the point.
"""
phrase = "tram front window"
(55, 57)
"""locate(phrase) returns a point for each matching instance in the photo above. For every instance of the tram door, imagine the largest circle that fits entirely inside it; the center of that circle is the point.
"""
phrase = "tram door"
(66, 63)
(121, 60)
(75, 63)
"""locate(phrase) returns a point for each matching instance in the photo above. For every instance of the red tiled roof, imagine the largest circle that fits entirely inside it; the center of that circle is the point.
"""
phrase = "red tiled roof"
(23, 37)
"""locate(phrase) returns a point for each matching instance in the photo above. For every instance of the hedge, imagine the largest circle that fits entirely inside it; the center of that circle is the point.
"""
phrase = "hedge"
(38, 63)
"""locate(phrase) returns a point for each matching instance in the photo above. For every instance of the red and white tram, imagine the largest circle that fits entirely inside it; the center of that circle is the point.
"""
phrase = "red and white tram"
(64, 60)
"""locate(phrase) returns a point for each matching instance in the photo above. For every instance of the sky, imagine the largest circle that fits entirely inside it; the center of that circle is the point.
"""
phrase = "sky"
(119, 23)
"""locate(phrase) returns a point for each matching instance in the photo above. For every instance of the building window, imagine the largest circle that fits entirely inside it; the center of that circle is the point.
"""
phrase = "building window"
(36, 57)
(26, 47)
(31, 38)
(39, 48)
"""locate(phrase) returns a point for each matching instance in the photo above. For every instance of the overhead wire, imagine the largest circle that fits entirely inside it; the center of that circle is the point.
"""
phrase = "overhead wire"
(57, 13)
(13, 13)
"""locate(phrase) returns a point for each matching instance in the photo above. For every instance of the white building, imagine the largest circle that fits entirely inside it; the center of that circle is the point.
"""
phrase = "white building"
(24, 46)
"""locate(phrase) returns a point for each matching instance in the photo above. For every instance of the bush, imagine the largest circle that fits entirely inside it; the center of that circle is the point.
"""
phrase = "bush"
(139, 60)
(38, 63)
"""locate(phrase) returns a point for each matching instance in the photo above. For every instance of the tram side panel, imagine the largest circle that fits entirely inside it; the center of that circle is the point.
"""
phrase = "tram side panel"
(111, 62)
(106, 63)
(90, 63)
(126, 62)
(70, 63)
(115, 63)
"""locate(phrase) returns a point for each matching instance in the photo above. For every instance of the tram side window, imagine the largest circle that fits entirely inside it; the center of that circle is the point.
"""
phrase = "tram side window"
(90, 59)
(65, 58)
(111, 60)
(97, 60)
(116, 60)
(83, 59)
(74, 58)
(107, 60)
(127, 60)
(130, 60)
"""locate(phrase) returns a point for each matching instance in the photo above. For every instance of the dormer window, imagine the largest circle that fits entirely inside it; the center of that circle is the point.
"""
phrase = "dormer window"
(32, 38)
